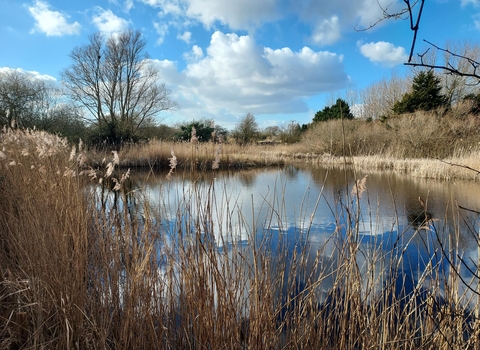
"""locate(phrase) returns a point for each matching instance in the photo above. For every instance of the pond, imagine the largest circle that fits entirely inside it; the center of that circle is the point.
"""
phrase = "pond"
(396, 222)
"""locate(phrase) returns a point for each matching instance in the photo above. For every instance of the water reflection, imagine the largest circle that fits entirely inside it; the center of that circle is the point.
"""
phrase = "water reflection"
(405, 224)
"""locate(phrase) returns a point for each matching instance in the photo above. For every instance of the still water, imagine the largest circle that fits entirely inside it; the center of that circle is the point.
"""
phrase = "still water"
(392, 213)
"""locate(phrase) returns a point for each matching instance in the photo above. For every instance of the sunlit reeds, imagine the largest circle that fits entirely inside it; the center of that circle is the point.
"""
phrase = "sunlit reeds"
(85, 265)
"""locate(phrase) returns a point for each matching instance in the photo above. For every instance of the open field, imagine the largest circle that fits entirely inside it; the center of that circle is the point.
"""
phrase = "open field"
(79, 269)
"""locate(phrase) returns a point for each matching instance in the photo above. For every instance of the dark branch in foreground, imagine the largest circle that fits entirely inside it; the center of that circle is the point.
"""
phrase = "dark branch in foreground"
(448, 67)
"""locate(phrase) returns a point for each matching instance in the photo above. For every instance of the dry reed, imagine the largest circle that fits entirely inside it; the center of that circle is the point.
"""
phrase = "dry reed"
(127, 275)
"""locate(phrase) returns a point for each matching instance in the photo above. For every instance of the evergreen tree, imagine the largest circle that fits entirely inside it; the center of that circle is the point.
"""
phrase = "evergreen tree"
(340, 109)
(203, 131)
(425, 95)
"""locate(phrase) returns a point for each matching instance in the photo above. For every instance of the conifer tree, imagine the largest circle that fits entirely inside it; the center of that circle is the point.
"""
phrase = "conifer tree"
(339, 110)
(425, 95)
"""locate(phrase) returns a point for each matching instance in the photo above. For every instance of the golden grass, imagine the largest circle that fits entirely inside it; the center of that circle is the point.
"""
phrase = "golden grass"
(85, 267)
(421, 144)
(408, 137)
(202, 156)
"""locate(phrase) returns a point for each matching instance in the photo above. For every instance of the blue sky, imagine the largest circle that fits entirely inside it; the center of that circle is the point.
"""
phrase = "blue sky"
(281, 60)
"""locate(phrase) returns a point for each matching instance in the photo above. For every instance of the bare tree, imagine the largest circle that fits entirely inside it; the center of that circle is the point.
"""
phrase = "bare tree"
(246, 130)
(23, 99)
(113, 79)
(379, 98)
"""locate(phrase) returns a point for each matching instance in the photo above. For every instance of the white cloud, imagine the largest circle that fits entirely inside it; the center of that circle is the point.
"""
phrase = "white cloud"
(162, 31)
(168, 71)
(173, 7)
(128, 5)
(327, 32)
(32, 74)
(236, 75)
(384, 53)
(329, 19)
(369, 12)
(52, 23)
(240, 14)
(107, 22)
(186, 36)
(194, 55)
(476, 21)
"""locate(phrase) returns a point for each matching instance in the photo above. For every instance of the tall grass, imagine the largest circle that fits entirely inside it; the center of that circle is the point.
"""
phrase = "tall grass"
(203, 156)
(416, 135)
(89, 266)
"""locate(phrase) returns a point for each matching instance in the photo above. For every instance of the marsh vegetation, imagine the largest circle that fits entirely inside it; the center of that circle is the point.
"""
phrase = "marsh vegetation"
(90, 262)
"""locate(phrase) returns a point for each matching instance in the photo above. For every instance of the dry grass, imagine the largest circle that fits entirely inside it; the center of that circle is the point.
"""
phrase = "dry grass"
(421, 144)
(86, 267)
(198, 156)
(418, 135)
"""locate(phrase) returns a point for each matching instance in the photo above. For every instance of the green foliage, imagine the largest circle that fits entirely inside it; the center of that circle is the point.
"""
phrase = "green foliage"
(111, 132)
(220, 132)
(203, 131)
(425, 96)
(151, 131)
(339, 110)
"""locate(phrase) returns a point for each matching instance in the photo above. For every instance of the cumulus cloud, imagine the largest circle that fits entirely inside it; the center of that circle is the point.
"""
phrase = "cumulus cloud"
(327, 32)
(52, 23)
(195, 54)
(240, 14)
(186, 36)
(31, 74)
(107, 22)
(384, 53)
(328, 19)
(236, 75)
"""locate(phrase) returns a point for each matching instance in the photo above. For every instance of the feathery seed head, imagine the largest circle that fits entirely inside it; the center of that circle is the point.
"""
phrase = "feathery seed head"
(173, 165)
(216, 162)
(359, 187)
(194, 138)
(117, 186)
(81, 159)
(110, 167)
(116, 160)
(72, 153)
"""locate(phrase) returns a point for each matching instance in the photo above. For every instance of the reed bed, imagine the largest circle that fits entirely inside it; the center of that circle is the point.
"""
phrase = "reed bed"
(423, 144)
(202, 156)
(87, 262)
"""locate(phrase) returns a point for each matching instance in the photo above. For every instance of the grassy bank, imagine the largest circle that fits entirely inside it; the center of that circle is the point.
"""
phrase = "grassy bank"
(421, 144)
(79, 269)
